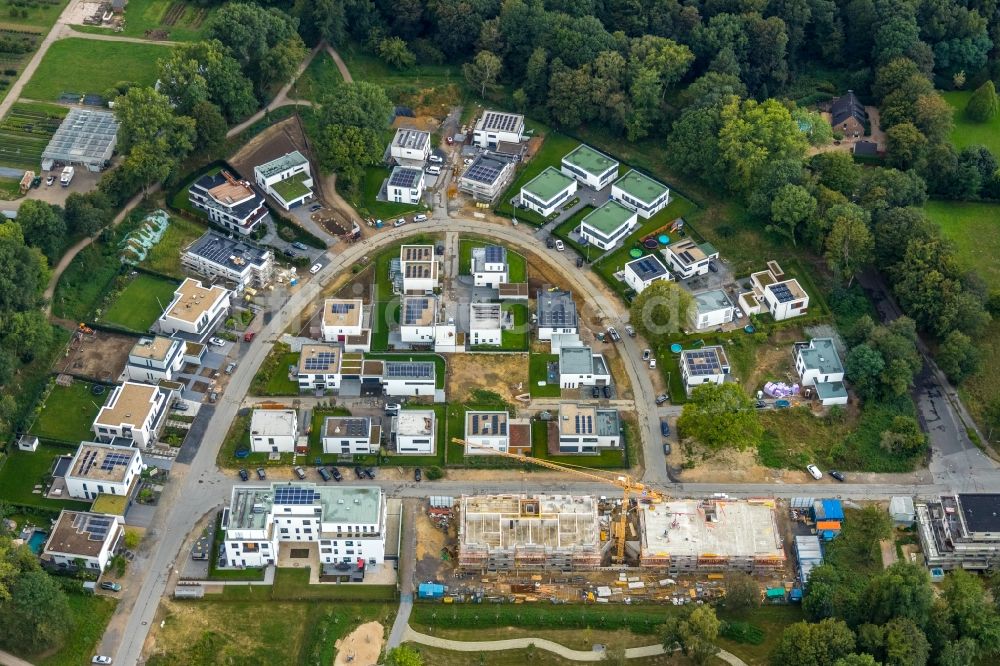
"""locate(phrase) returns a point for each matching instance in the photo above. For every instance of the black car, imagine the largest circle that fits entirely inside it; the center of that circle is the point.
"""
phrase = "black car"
(358, 472)
(595, 392)
(712, 267)
(289, 254)
(662, 398)
(325, 475)
(607, 392)
(337, 476)
(579, 262)
(550, 242)
(261, 474)
(244, 474)
(417, 474)
(838, 475)
(664, 428)
(760, 404)
(370, 472)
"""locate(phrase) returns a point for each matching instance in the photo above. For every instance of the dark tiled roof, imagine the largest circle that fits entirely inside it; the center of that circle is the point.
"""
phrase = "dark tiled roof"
(845, 107)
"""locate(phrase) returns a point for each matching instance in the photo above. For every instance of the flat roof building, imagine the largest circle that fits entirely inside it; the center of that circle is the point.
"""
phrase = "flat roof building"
(960, 531)
(556, 313)
(486, 431)
(547, 191)
(641, 193)
(643, 272)
(494, 127)
(587, 429)
(708, 365)
(274, 430)
(536, 532)
(86, 137)
(153, 359)
(405, 185)
(237, 262)
(819, 366)
(489, 266)
(319, 367)
(196, 311)
(688, 259)
(410, 144)
(134, 412)
(350, 435)
(591, 167)
(288, 179)
(78, 536)
(229, 201)
(485, 324)
(711, 308)
(608, 225)
(415, 431)
(487, 177)
(98, 469)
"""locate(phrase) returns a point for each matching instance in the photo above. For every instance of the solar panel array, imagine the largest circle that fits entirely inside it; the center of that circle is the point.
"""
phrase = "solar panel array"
(484, 170)
(320, 360)
(419, 270)
(503, 122)
(412, 370)
(97, 527)
(341, 308)
(782, 293)
(220, 250)
(556, 310)
(483, 424)
(112, 460)
(404, 178)
(415, 307)
(495, 254)
(647, 267)
(584, 424)
(703, 362)
(296, 495)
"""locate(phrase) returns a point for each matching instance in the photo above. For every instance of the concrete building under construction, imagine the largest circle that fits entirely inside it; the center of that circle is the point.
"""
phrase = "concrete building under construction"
(688, 535)
(507, 532)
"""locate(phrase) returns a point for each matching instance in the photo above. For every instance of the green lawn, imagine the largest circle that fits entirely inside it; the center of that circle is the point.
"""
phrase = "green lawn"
(183, 22)
(538, 371)
(320, 78)
(517, 264)
(293, 585)
(95, 67)
(967, 132)
(141, 303)
(91, 614)
(606, 459)
(84, 282)
(554, 147)
(423, 83)
(68, 413)
(369, 206)
(516, 339)
(22, 471)
(165, 256)
(40, 14)
(10, 189)
(272, 377)
(974, 228)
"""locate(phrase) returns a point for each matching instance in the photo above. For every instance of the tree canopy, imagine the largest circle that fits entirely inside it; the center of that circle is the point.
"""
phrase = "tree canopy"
(720, 415)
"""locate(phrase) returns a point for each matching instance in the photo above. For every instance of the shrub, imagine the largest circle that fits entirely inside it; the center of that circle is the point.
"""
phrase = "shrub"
(434, 473)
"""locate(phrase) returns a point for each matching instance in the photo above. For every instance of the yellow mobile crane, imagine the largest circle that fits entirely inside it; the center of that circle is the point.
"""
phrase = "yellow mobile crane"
(623, 481)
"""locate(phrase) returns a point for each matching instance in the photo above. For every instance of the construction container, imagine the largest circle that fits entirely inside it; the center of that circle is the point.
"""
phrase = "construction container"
(824, 525)
(715, 576)
(828, 509)
(430, 591)
(775, 593)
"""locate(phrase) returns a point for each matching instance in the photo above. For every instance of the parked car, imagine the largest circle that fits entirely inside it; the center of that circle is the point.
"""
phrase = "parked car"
(417, 474)
(392, 408)
(230, 367)
(652, 363)
(595, 392)
(662, 398)
(560, 246)
(814, 471)
(337, 476)
(600, 337)
(712, 267)
(100, 659)
(244, 474)
(838, 475)
(289, 254)
(213, 396)
(248, 336)
(370, 473)
(217, 342)
(298, 245)
(112, 587)
(315, 207)
(439, 250)
(315, 268)
(666, 449)
(358, 472)
(629, 330)
(180, 406)
(436, 159)
(299, 472)
(664, 428)
(615, 337)
(433, 170)
(738, 313)
(400, 222)
(550, 242)
(420, 218)
(261, 474)
(760, 404)
(325, 475)
(607, 391)
(49, 181)
(646, 354)
(467, 161)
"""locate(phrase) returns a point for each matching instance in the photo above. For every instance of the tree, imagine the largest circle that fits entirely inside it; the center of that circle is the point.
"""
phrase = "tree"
(720, 415)
(970, 612)
(26, 333)
(904, 437)
(849, 246)
(210, 126)
(661, 309)
(395, 53)
(645, 94)
(37, 613)
(958, 357)
(905, 145)
(820, 132)
(983, 104)
(483, 71)
(754, 134)
(87, 213)
(23, 275)
(146, 118)
(668, 60)
(864, 367)
(403, 656)
(790, 207)
(536, 76)
(837, 170)
(742, 591)
(43, 227)
(695, 634)
(359, 104)
(820, 644)
(694, 143)
(962, 652)
(348, 150)
(205, 71)
(857, 660)
(903, 590)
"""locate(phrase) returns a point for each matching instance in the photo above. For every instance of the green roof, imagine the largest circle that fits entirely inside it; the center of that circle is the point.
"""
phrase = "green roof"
(586, 158)
(283, 163)
(548, 184)
(640, 187)
(609, 218)
(292, 188)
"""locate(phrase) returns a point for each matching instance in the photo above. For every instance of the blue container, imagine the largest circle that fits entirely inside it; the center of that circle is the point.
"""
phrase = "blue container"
(676, 348)
(430, 591)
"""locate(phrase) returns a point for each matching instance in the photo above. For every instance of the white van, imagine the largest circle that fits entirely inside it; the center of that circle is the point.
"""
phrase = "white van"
(433, 170)
(420, 218)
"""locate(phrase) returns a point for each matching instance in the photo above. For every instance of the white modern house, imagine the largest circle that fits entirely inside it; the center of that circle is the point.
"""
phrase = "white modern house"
(642, 194)
(415, 431)
(409, 378)
(688, 259)
(133, 412)
(707, 365)
(556, 314)
(489, 266)
(486, 432)
(154, 359)
(229, 202)
(273, 430)
(485, 324)
(494, 127)
(238, 263)
(319, 367)
(196, 311)
(819, 366)
(418, 319)
(642, 272)
(547, 192)
(587, 429)
(419, 268)
(342, 317)
(350, 435)
(288, 179)
(590, 167)
(771, 292)
(81, 537)
(405, 185)
(487, 177)
(609, 224)
(410, 145)
(346, 524)
(106, 469)
(711, 309)
(580, 366)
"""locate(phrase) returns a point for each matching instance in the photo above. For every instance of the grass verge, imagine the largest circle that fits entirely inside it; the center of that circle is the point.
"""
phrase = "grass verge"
(68, 413)
(141, 302)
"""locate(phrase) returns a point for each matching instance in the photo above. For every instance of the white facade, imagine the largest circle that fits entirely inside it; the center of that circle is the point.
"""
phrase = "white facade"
(608, 225)
(587, 429)
(350, 435)
(711, 309)
(406, 378)
(273, 430)
(785, 300)
(494, 127)
(579, 366)
(410, 144)
(229, 202)
(419, 268)
(347, 523)
(708, 365)
(133, 411)
(819, 362)
(319, 367)
(688, 259)
(293, 167)
(415, 431)
(489, 266)
(102, 469)
(196, 311)
(419, 317)
(547, 192)
(486, 432)
(342, 317)
(643, 272)
(154, 359)
(642, 194)
(405, 185)
(556, 314)
(485, 327)
(231, 260)
(81, 537)
(590, 167)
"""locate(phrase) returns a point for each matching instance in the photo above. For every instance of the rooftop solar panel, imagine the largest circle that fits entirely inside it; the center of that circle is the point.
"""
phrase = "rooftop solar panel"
(112, 460)
(321, 360)
(414, 370)
(297, 495)
(703, 362)
(782, 293)
(341, 308)
(404, 177)
(495, 254)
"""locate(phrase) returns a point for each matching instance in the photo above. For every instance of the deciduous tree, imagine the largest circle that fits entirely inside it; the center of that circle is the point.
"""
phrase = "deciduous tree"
(661, 309)
(958, 357)
(43, 227)
(820, 644)
(483, 71)
(395, 53)
(791, 206)
(695, 634)
(720, 415)
(849, 246)
(742, 591)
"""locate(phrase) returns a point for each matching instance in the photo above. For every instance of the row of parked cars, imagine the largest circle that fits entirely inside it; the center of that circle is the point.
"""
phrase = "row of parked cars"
(325, 473)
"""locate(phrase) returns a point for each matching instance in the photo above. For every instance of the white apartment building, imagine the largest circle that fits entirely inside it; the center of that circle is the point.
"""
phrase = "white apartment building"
(288, 179)
(556, 314)
(409, 378)
(591, 167)
(580, 366)
(688, 259)
(547, 192)
(642, 272)
(708, 365)
(103, 469)
(771, 292)
(233, 261)
(485, 324)
(273, 430)
(711, 309)
(494, 127)
(487, 177)
(405, 185)
(415, 431)
(410, 144)
(229, 202)
(350, 435)
(346, 522)
(960, 531)
(608, 225)
(419, 268)
(342, 318)
(486, 432)
(819, 366)
(489, 266)
(134, 412)
(642, 194)
(154, 359)
(81, 536)
(320, 368)
(587, 429)
(196, 311)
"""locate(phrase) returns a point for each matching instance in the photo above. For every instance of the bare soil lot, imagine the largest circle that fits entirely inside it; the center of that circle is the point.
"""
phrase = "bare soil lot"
(272, 143)
(101, 356)
(501, 373)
